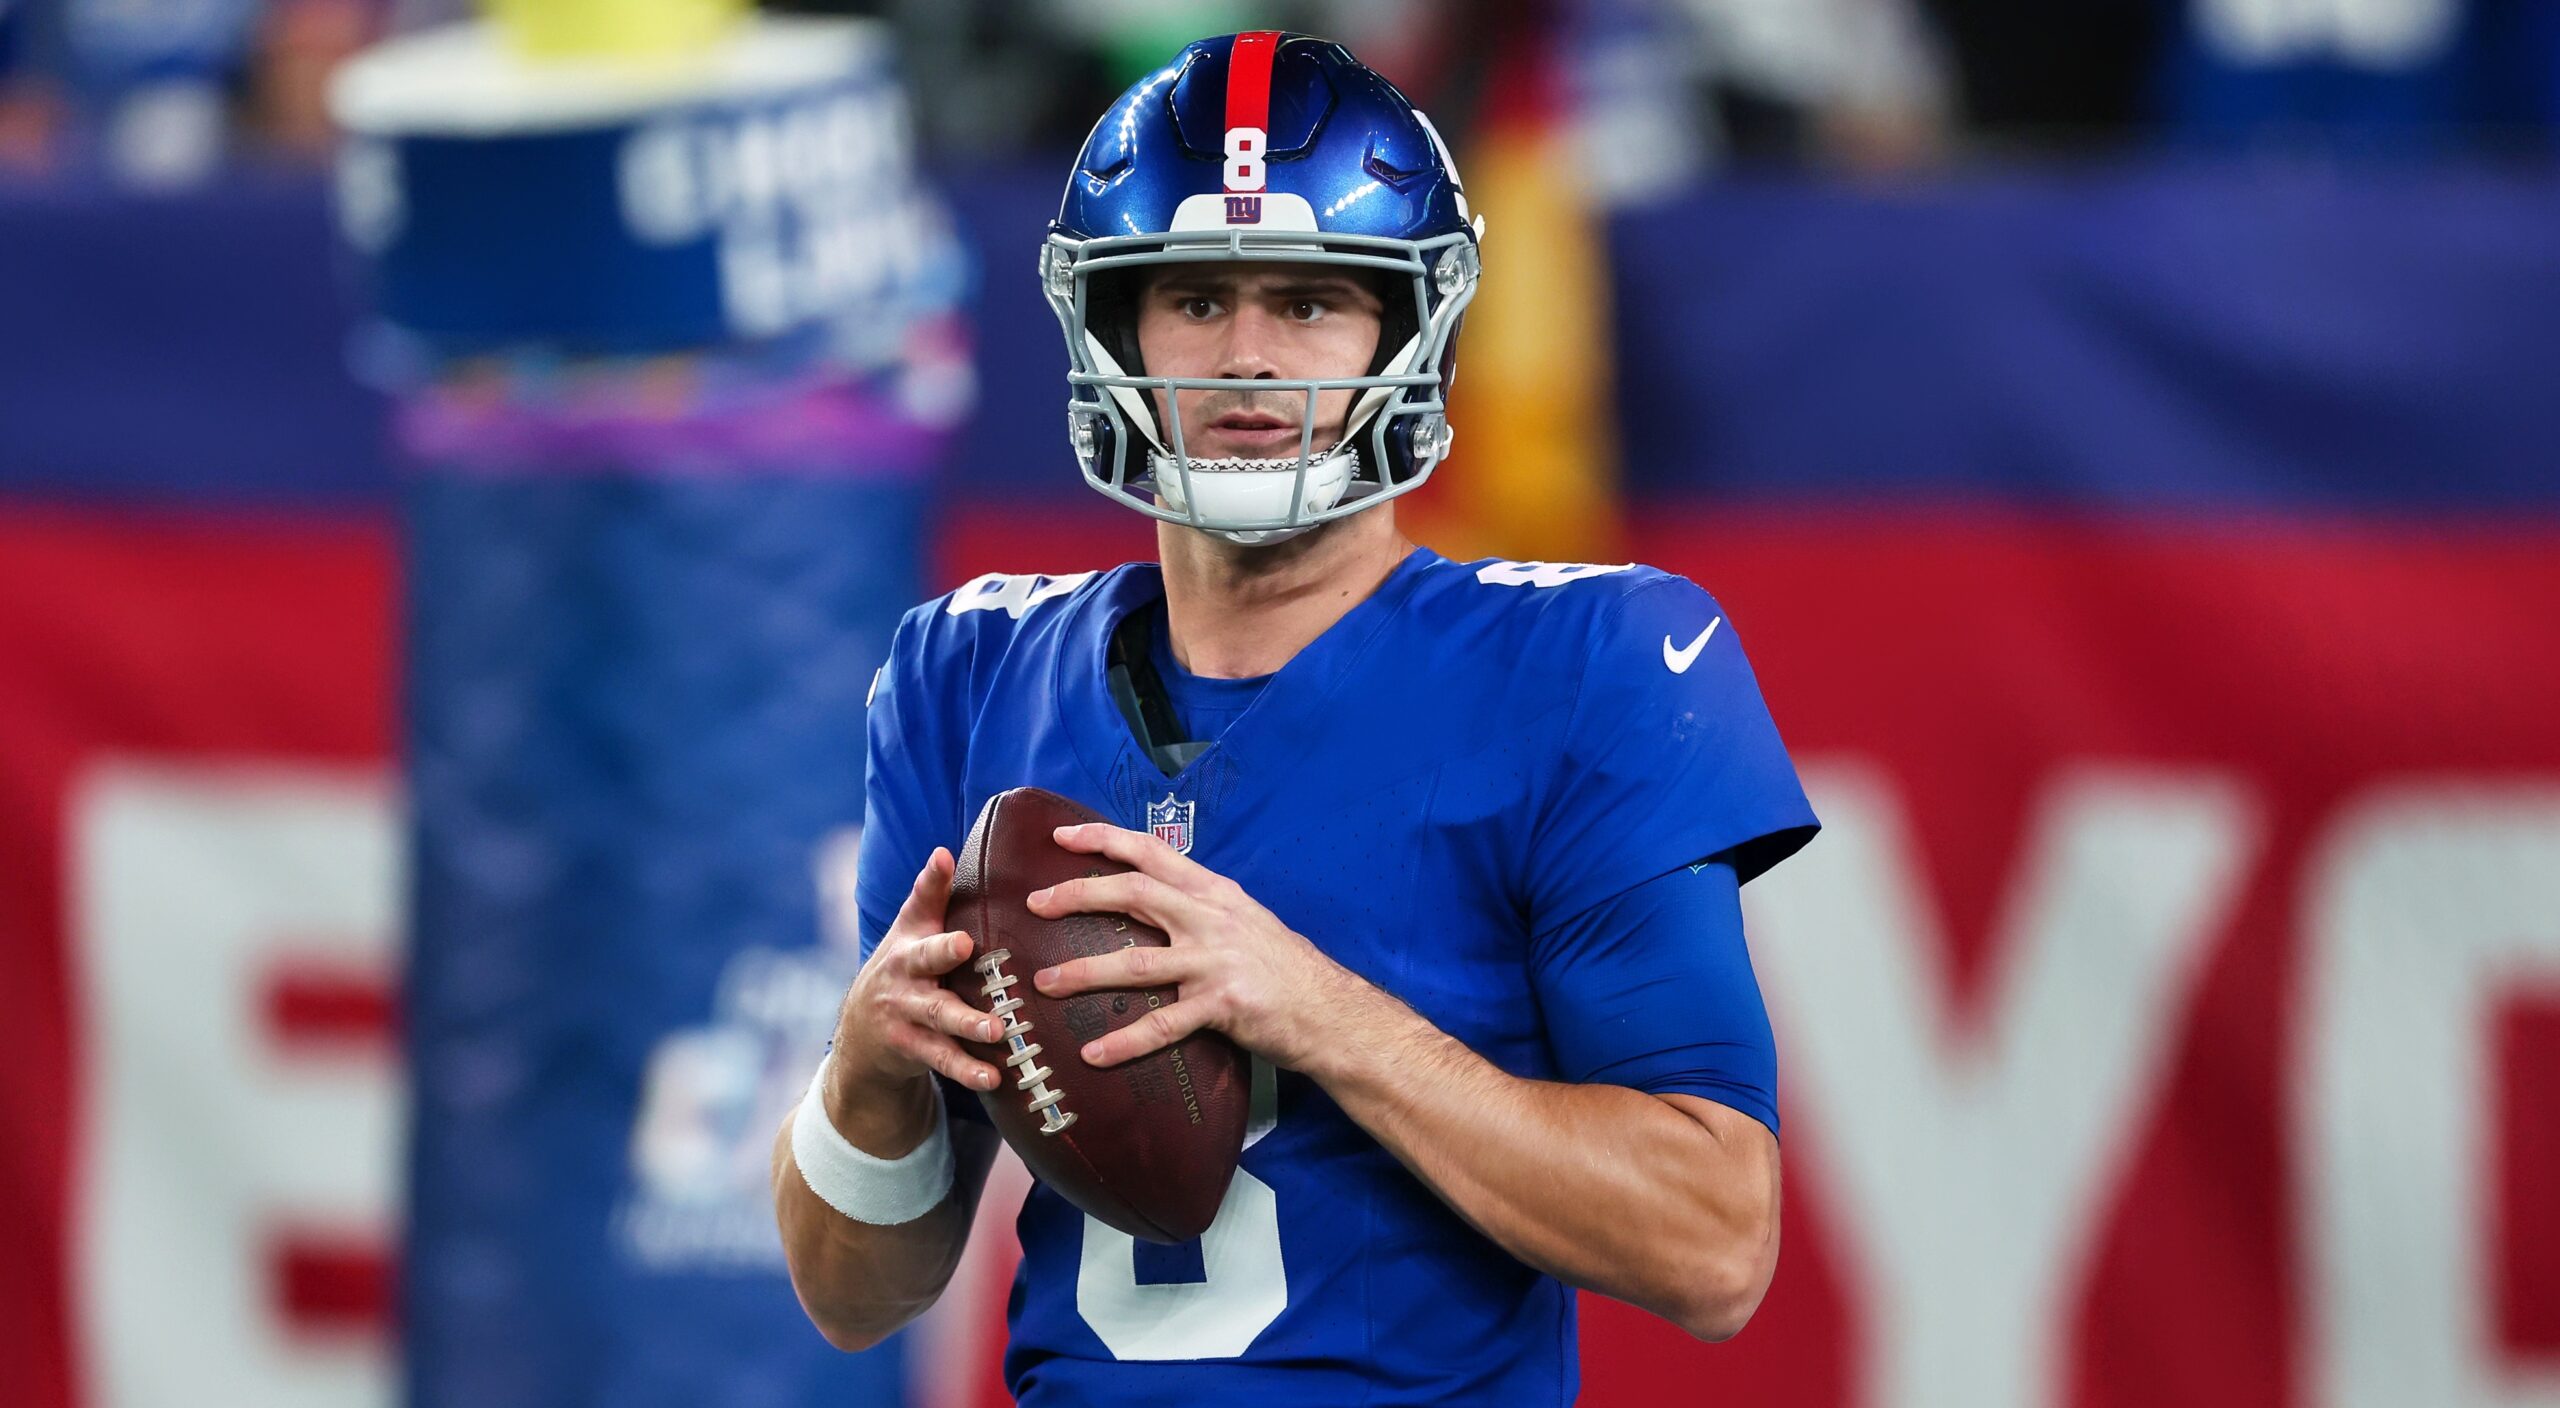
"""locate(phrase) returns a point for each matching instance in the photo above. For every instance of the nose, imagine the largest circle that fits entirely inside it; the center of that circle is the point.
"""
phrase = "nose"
(1251, 347)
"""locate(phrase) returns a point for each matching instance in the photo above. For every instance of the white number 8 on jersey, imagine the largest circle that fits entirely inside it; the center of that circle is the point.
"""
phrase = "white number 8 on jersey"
(1244, 1288)
(1543, 574)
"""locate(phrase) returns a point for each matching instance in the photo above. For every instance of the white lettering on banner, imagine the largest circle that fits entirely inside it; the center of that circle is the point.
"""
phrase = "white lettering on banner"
(2419, 908)
(192, 886)
(1972, 1172)
(700, 1196)
(371, 206)
(814, 206)
(684, 178)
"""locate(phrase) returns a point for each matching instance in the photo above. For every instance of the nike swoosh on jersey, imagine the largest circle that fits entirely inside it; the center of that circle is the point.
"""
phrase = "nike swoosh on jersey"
(1680, 659)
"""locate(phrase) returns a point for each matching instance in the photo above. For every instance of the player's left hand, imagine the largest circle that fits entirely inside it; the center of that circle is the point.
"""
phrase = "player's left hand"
(1235, 966)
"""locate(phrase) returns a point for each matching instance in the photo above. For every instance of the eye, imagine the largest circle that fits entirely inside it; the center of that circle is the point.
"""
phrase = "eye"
(1199, 307)
(1306, 310)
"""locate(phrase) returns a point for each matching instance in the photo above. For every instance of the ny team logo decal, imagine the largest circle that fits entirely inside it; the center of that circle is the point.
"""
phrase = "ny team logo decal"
(1170, 821)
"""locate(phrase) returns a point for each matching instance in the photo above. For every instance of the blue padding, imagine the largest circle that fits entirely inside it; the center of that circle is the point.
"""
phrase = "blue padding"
(2169, 337)
(2234, 337)
(635, 717)
(180, 348)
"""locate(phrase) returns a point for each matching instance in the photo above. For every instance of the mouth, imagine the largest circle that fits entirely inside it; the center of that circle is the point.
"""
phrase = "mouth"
(1251, 433)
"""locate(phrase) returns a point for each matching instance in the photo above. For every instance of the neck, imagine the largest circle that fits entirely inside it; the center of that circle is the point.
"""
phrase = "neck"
(1237, 612)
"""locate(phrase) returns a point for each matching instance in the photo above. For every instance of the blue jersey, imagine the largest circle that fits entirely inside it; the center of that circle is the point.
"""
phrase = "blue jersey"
(1440, 792)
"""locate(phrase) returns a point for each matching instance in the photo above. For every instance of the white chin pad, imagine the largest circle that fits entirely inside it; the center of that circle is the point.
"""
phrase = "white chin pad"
(1247, 500)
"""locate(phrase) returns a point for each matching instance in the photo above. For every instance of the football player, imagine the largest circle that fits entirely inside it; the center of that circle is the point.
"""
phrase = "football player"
(1453, 849)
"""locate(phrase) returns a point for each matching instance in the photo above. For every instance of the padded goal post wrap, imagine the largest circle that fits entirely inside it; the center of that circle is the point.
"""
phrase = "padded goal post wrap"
(645, 597)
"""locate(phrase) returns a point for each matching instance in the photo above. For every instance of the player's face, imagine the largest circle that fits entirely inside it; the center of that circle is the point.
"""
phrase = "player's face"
(1257, 322)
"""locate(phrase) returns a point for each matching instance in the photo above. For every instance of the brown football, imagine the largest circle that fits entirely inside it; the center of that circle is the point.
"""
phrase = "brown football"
(1148, 1145)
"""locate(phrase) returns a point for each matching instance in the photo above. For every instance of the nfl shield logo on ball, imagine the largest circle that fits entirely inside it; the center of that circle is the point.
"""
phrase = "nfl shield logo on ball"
(1171, 822)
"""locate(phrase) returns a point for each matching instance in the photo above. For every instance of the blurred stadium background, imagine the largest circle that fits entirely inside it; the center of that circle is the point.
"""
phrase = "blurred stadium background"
(441, 562)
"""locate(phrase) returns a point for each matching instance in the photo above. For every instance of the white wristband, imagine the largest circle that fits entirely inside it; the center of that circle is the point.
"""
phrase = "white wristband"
(865, 1187)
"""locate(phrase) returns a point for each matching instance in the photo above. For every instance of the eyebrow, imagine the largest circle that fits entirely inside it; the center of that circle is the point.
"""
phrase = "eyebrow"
(1319, 285)
(1188, 282)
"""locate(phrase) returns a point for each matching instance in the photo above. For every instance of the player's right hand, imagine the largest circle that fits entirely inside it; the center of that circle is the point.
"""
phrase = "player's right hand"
(898, 1021)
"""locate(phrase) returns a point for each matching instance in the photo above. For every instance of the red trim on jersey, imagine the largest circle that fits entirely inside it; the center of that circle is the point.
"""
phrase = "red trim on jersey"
(1249, 79)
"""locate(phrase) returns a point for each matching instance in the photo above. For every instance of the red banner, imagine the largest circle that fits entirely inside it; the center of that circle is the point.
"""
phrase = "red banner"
(164, 684)
(2170, 1012)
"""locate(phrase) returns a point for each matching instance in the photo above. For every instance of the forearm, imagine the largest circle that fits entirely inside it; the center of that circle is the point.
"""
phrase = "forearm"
(1669, 1208)
(859, 1281)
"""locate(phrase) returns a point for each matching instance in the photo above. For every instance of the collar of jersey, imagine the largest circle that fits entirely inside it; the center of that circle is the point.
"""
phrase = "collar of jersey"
(1284, 721)
(1190, 691)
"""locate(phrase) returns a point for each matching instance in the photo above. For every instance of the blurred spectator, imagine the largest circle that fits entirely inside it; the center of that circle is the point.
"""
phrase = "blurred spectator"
(300, 43)
(1861, 82)
(1664, 91)
(1137, 36)
(988, 77)
(153, 76)
(2030, 73)
(29, 112)
(1668, 89)
(995, 78)
(163, 92)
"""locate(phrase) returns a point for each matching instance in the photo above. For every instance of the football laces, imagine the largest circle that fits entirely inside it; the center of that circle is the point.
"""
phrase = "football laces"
(1024, 1052)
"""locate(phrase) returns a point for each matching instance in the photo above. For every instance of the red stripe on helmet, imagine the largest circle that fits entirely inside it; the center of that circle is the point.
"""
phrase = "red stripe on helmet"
(1249, 79)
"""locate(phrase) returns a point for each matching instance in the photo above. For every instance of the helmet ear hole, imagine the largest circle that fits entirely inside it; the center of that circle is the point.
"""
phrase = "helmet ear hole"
(1398, 319)
(1111, 314)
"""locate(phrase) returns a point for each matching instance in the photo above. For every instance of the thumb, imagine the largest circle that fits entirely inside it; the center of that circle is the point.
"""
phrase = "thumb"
(921, 913)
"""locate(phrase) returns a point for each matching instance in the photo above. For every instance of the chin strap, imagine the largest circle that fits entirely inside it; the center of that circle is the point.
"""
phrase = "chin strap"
(1161, 463)
(1332, 479)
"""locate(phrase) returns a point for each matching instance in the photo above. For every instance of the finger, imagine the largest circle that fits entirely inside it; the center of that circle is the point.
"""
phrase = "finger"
(1145, 966)
(1130, 892)
(932, 955)
(937, 1010)
(929, 896)
(1140, 849)
(1160, 1028)
(942, 1054)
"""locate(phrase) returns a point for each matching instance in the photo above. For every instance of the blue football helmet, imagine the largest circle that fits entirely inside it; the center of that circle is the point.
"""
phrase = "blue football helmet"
(1262, 146)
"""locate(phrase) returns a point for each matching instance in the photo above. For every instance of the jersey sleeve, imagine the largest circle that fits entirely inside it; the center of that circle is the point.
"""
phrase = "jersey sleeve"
(911, 772)
(910, 779)
(1669, 757)
(1653, 990)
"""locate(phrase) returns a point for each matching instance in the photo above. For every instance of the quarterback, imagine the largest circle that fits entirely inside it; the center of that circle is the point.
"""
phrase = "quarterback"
(1452, 849)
